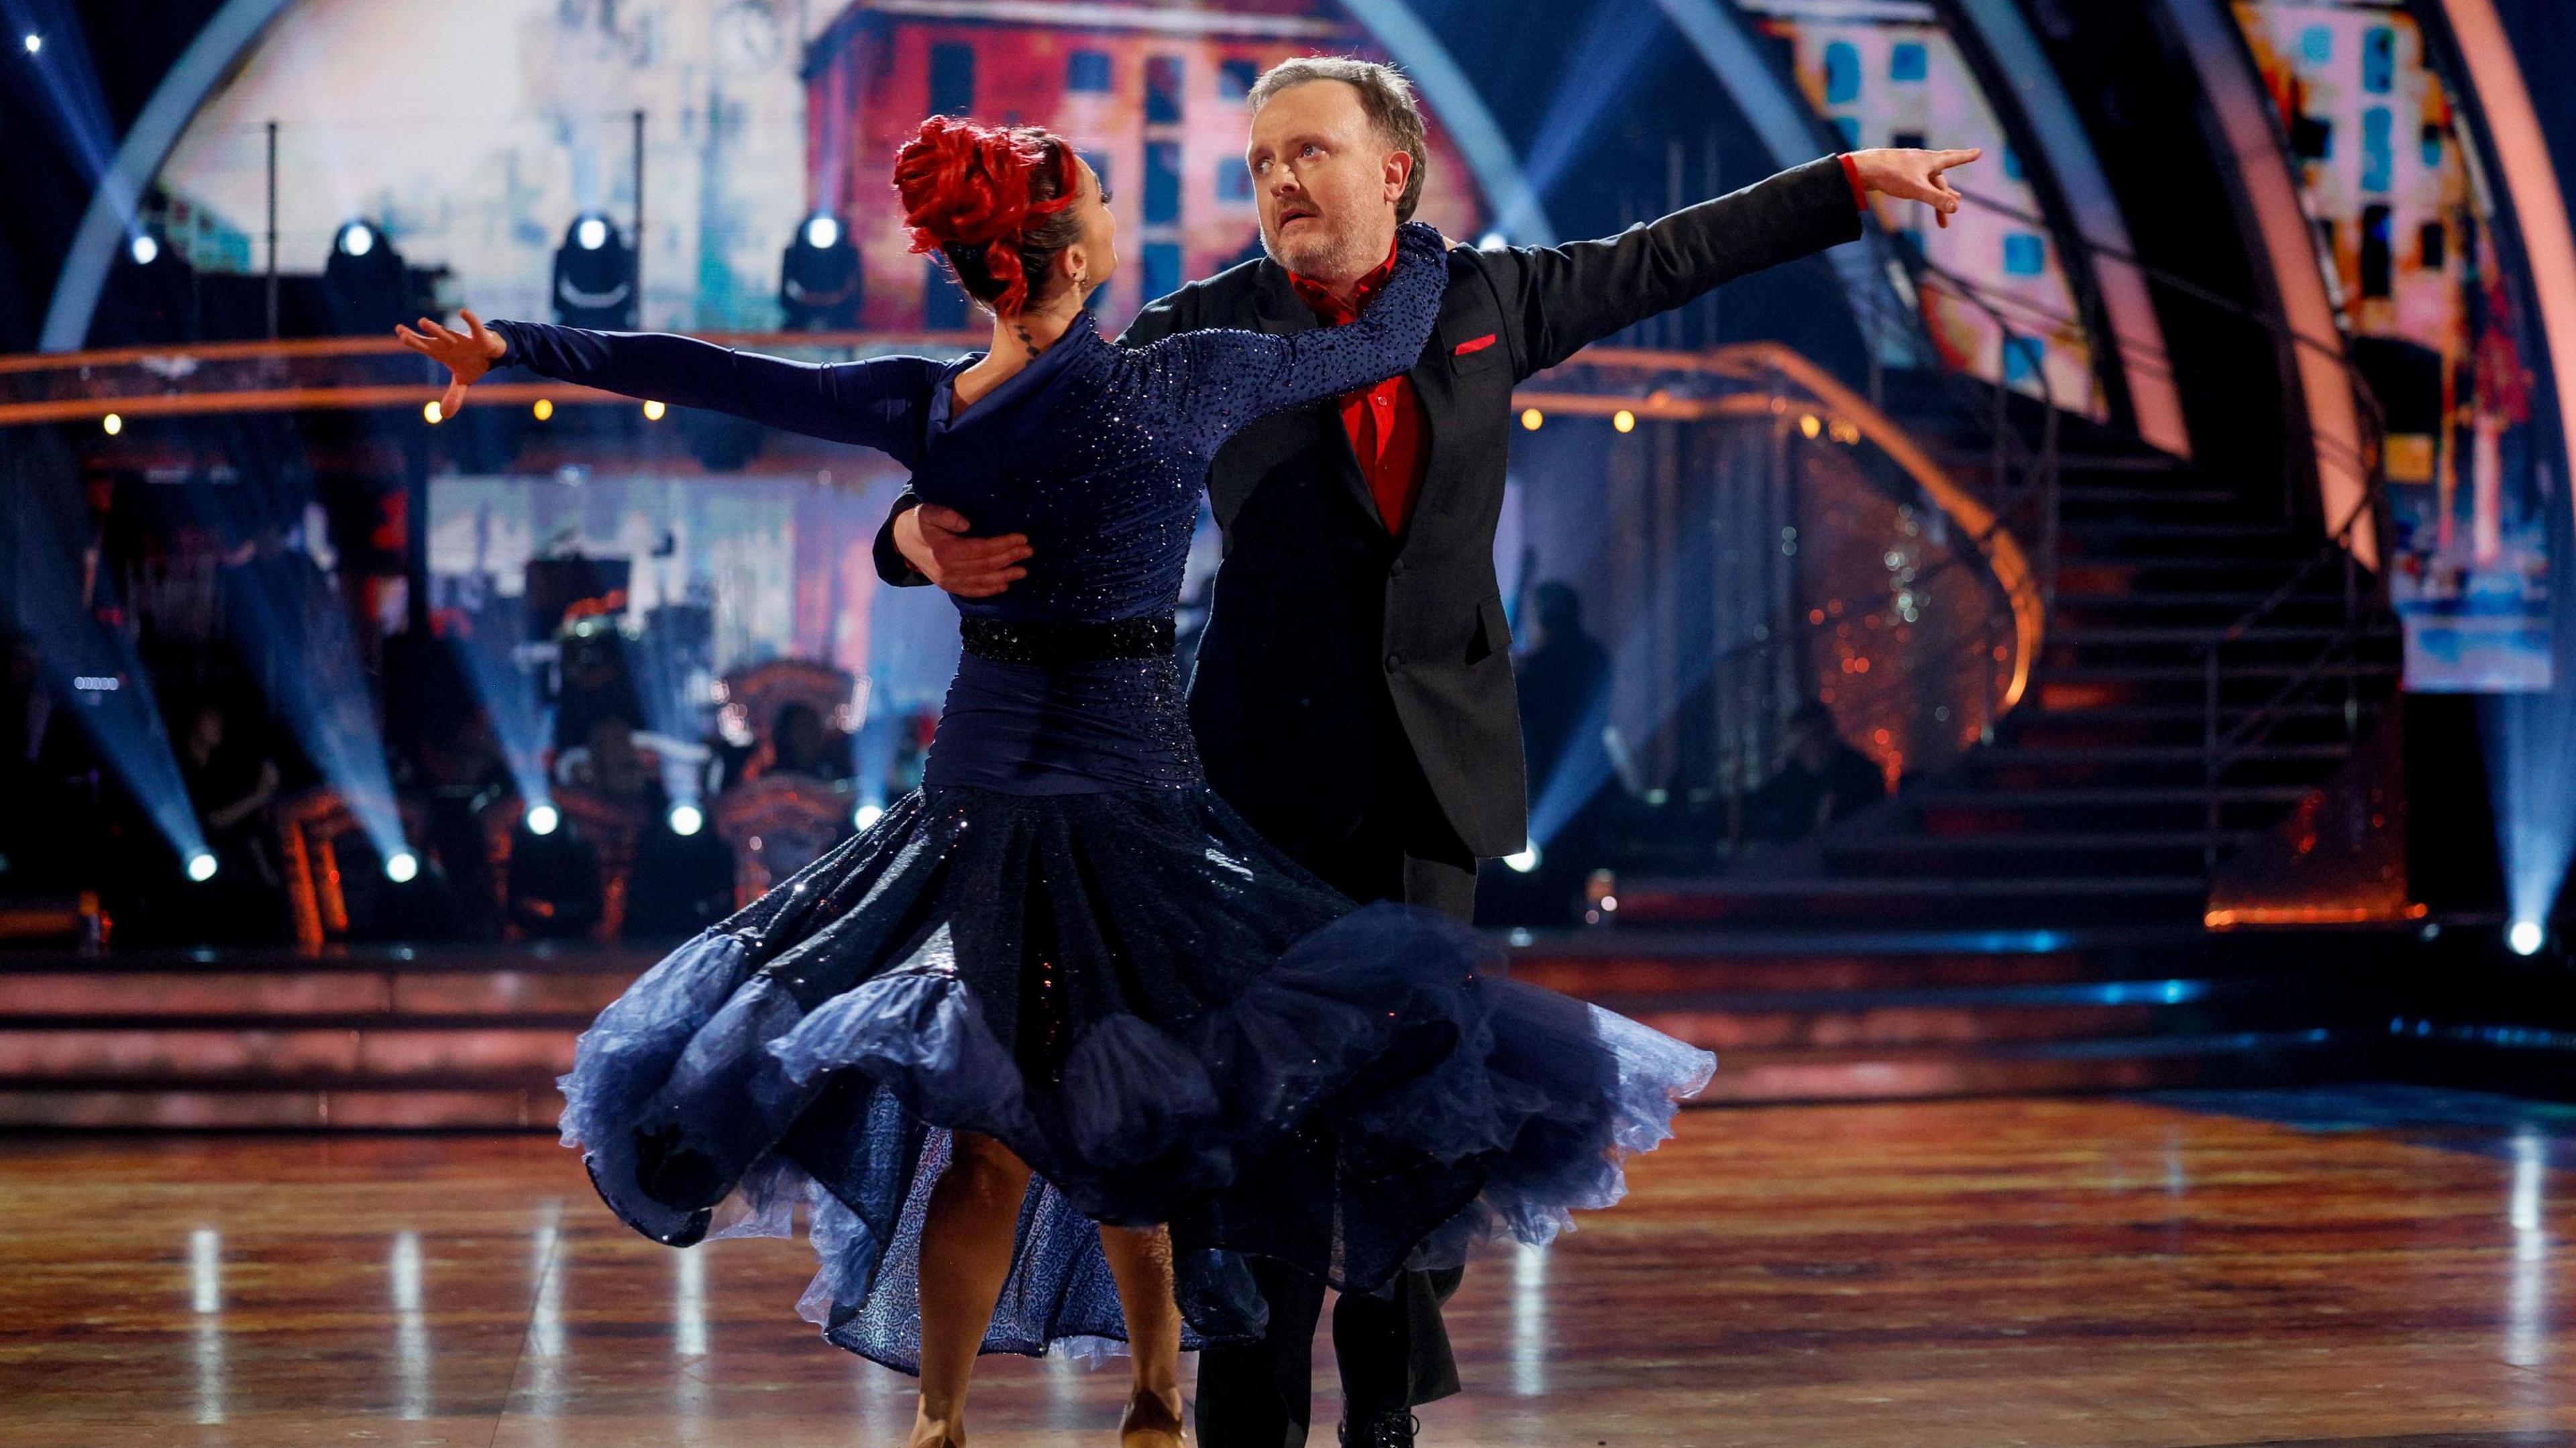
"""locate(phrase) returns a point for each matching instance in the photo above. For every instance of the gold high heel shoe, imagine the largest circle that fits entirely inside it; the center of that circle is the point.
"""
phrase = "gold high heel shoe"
(1149, 1424)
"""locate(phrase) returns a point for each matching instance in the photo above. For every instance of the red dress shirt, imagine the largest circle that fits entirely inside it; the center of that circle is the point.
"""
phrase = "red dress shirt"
(1385, 422)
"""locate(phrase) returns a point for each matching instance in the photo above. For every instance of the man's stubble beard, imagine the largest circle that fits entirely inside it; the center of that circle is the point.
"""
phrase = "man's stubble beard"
(1346, 255)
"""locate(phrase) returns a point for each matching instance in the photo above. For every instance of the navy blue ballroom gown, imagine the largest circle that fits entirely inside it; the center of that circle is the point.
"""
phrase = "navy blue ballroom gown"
(1063, 940)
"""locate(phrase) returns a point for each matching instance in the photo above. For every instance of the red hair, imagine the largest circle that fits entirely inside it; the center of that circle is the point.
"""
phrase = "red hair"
(991, 200)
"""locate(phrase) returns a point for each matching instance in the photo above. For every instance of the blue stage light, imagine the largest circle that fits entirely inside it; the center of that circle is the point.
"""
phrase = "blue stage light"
(357, 238)
(35, 43)
(822, 233)
(687, 819)
(590, 234)
(1526, 859)
(201, 867)
(144, 249)
(543, 819)
(867, 815)
(2526, 937)
(402, 867)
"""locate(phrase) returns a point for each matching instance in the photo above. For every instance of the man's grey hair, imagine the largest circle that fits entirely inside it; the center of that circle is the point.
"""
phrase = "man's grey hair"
(1386, 97)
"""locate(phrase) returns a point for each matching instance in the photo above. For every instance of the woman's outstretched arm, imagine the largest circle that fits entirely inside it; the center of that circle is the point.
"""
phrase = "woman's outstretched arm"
(879, 403)
(1214, 382)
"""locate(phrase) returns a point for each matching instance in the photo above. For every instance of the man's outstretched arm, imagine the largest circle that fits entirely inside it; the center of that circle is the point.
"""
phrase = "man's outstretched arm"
(1559, 299)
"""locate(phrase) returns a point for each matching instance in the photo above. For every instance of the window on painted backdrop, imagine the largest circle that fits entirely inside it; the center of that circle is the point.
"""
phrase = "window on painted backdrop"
(2378, 149)
(1235, 78)
(1907, 60)
(1088, 71)
(952, 79)
(2379, 60)
(1162, 183)
(1161, 270)
(1163, 90)
(1233, 180)
(1842, 73)
(2378, 255)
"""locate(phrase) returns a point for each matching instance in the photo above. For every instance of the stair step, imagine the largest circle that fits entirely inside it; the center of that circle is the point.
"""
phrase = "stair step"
(150, 1106)
(2036, 841)
(2235, 1058)
(2179, 673)
(2077, 634)
(2104, 796)
(2072, 492)
(2008, 755)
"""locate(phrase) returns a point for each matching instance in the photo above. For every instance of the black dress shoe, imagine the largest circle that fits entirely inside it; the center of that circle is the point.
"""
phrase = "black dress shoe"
(1392, 1429)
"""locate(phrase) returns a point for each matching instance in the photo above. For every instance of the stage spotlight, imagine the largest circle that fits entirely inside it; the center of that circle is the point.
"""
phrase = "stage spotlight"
(545, 408)
(687, 819)
(1624, 420)
(867, 815)
(594, 284)
(201, 867)
(363, 282)
(819, 281)
(113, 423)
(543, 819)
(2525, 937)
(432, 413)
(653, 411)
(1531, 418)
(402, 867)
(1811, 424)
(35, 43)
(1526, 860)
(145, 250)
(1492, 241)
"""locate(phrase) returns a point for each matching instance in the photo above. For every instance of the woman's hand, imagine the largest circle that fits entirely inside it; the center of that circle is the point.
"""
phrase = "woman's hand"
(468, 354)
(1914, 175)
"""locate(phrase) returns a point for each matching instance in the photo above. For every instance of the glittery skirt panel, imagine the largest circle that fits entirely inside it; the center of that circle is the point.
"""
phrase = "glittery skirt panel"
(1166, 1019)
(1064, 728)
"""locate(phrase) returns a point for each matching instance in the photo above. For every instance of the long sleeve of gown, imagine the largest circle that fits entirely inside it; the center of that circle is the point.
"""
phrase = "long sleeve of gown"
(881, 402)
(1214, 382)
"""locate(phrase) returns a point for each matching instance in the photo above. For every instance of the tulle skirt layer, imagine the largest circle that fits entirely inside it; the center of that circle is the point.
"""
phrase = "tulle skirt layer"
(1166, 1019)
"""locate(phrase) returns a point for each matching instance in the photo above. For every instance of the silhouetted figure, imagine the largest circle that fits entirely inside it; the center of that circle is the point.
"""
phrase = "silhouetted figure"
(231, 783)
(1823, 780)
(1564, 687)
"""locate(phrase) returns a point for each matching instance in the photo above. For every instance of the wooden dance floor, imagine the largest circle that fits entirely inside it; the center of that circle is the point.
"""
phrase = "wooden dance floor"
(2378, 1266)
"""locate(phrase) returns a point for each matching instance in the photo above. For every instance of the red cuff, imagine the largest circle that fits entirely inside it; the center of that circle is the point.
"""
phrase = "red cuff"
(1851, 173)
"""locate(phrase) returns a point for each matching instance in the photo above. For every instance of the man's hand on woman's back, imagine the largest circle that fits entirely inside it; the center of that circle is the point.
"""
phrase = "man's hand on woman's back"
(933, 540)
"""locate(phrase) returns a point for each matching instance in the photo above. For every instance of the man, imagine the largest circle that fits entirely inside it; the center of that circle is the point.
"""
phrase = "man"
(1353, 693)
(1564, 687)
(1824, 780)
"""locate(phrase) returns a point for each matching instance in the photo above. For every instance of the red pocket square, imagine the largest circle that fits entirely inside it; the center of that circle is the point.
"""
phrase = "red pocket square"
(1477, 344)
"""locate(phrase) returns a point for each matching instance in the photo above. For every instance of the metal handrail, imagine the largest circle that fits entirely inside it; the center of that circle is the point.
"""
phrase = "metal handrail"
(2224, 746)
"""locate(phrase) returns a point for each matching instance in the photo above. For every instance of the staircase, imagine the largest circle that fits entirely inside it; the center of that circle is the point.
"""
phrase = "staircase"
(2095, 800)
(397, 1038)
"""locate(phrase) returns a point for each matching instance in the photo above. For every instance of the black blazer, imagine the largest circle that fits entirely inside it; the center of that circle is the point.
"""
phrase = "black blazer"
(1331, 646)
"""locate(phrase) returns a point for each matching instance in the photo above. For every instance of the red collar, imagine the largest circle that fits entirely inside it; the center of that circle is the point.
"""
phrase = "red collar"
(1332, 309)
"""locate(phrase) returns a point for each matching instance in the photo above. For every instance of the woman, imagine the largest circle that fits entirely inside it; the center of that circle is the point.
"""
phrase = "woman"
(1063, 985)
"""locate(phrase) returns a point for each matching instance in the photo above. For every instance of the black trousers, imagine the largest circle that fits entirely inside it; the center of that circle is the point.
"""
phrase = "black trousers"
(1393, 1350)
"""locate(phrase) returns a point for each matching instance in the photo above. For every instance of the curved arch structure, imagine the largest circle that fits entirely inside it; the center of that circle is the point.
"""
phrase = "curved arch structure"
(2503, 100)
(1462, 111)
(1787, 129)
(2093, 210)
(208, 59)
(2259, 167)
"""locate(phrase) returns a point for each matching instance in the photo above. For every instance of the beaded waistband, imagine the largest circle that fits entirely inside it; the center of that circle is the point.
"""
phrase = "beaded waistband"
(1055, 644)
